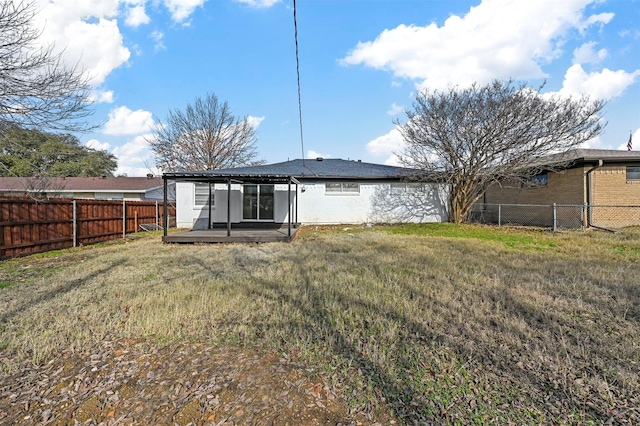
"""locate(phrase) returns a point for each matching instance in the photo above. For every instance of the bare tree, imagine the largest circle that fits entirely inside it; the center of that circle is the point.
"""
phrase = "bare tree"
(475, 137)
(205, 136)
(36, 89)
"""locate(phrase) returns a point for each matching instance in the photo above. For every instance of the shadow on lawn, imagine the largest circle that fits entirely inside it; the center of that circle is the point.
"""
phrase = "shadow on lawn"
(313, 310)
(56, 292)
(499, 373)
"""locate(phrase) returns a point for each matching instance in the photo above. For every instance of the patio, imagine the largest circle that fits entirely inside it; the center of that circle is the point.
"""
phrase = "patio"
(254, 228)
(238, 235)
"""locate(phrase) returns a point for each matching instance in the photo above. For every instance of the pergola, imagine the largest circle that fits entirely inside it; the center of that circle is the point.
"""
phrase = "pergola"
(215, 177)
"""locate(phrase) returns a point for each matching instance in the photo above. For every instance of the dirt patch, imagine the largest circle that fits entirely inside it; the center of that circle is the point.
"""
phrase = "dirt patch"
(137, 383)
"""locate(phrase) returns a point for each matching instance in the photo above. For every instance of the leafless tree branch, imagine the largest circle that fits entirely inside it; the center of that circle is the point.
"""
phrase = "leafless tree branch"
(205, 136)
(36, 90)
(472, 138)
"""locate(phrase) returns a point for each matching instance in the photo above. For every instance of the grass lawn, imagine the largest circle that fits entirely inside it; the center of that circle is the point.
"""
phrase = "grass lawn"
(441, 323)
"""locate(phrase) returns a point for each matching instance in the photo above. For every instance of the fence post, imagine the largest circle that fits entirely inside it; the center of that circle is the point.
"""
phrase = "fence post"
(585, 219)
(157, 223)
(124, 219)
(75, 224)
(499, 214)
(2, 243)
(555, 217)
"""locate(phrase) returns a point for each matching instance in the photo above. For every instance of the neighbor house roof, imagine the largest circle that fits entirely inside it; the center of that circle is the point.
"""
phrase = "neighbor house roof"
(330, 168)
(581, 156)
(603, 154)
(83, 184)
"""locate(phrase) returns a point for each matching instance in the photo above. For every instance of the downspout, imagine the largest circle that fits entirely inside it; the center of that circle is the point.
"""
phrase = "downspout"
(590, 197)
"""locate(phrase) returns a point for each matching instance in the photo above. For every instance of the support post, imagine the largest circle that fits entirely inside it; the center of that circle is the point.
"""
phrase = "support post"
(290, 207)
(135, 221)
(75, 224)
(555, 217)
(585, 217)
(124, 218)
(297, 194)
(499, 214)
(228, 207)
(157, 223)
(164, 207)
(209, 204)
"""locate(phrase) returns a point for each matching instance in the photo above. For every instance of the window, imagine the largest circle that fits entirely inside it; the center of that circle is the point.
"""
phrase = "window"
(342, 188)
(202, 194)
(258, 202)
(633, 173)
(541, 179)
(403, 187)
(109, 196)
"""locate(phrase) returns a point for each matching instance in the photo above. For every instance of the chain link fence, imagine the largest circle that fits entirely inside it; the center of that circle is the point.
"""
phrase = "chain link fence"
(557, 216)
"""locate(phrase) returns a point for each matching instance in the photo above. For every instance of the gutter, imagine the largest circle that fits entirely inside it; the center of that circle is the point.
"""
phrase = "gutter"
(590, 197)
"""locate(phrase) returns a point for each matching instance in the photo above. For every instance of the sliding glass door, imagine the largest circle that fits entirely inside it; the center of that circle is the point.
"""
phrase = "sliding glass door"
(257, 202)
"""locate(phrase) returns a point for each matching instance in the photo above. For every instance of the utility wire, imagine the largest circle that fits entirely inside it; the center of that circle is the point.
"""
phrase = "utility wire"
(295, 28)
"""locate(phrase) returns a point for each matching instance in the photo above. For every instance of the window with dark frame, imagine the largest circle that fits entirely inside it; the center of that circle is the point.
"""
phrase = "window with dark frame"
(537, 181)
(633, 173)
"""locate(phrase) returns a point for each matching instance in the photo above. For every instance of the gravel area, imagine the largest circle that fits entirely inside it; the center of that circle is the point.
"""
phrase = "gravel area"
(137, 383)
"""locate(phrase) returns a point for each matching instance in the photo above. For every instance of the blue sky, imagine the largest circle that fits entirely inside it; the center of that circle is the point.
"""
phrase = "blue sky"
(361, 63)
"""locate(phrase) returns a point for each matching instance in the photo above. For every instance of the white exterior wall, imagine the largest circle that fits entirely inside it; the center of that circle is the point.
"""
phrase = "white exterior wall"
(188, 215)
(375, 203)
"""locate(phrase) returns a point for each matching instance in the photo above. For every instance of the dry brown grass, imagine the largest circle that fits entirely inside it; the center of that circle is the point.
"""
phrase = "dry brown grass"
(436, 323)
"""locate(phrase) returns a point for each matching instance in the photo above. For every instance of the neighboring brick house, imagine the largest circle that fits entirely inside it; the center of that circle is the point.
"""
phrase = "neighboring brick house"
(593, 177)
(100, 188)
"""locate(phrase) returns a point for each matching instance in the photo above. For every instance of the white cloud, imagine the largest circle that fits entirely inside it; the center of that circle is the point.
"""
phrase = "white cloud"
(259, 3)
(135, 158)
(605, 84)
(393, 160)
(315, 154)
(601, 18)
(181, 9)
(123, 121)
(85, 32)
(255, 121)
(137, 16)
(386, 144)
(157, 37)
(96, 144)
(101, 96)
(496, 39)
(587, 54)
(395, 109)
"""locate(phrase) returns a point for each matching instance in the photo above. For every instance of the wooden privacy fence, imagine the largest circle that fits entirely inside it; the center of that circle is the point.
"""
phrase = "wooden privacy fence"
(30, 226)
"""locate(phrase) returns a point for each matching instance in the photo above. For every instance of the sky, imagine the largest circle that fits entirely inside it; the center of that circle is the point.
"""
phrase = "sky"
(362, 63)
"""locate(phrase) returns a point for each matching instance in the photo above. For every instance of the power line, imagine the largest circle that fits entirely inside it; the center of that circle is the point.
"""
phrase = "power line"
(295, 29)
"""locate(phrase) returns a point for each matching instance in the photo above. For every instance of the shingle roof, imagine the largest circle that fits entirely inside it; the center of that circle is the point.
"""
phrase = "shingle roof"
(330, 168)
(602, 154)
(577, 157)
(87, 184)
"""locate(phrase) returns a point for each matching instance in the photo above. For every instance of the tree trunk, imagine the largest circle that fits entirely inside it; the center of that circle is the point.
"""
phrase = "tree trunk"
(459, 210)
